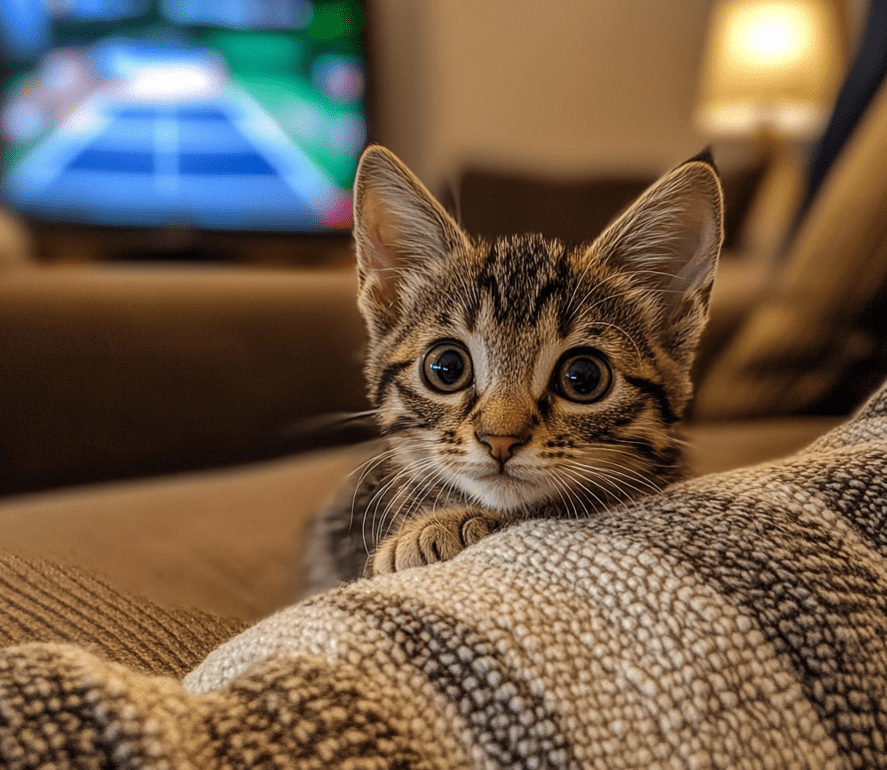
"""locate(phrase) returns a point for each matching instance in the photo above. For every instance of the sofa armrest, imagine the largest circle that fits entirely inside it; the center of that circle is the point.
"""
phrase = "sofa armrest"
(119, 372)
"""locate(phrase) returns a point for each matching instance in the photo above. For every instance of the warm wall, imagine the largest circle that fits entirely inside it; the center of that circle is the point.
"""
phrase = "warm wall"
(570, 86)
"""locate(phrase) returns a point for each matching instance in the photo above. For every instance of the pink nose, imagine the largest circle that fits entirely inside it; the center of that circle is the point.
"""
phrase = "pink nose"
(501, 447)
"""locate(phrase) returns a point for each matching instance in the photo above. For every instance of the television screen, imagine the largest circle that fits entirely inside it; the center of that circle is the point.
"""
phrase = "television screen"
(235, 115)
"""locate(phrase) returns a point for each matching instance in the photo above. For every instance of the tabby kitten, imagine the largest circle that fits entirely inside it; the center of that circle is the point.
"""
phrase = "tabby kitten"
(515, 379)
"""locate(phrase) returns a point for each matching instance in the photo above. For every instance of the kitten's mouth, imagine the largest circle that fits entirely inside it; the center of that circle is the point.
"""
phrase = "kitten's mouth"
(504, 474)
(498, 472)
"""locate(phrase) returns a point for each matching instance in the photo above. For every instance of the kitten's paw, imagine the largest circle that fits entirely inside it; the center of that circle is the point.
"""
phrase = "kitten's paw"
(434, 537)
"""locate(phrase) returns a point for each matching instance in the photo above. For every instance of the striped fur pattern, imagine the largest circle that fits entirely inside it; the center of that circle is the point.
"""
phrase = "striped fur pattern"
(564, 373)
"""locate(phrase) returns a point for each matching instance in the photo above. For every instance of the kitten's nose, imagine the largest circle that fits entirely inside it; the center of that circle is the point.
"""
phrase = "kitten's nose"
(501, 447)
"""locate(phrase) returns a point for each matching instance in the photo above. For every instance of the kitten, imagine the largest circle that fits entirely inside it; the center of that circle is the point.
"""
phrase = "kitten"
(519, 378)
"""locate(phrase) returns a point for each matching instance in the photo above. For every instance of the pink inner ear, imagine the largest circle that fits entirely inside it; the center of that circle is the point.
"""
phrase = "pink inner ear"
(381, 264)
(379, 247)
(701, 242)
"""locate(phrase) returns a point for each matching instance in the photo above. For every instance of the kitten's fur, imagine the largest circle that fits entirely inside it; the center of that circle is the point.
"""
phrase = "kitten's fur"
(509, 443)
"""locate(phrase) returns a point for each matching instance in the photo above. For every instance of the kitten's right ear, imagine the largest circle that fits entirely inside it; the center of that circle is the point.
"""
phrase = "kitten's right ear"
(669, 241)
(402, 233)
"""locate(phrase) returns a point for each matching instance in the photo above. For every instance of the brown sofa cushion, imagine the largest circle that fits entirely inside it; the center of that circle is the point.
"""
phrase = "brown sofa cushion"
(116, 372)
(225, 542)
(56, 602)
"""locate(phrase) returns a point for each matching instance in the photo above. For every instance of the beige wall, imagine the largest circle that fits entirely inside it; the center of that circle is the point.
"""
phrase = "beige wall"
(568, 86)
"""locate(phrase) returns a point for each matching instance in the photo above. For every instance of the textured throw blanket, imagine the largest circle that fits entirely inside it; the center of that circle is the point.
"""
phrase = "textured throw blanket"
(734, 621)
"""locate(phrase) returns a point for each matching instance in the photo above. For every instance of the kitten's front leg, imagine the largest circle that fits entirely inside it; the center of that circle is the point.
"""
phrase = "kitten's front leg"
(435, 536)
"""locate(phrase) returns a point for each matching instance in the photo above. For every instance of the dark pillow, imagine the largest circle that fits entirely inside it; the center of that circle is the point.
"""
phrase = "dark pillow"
(815, 344)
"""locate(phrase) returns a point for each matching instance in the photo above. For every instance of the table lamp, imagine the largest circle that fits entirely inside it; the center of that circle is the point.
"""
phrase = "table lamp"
(770, 66)
(769, 75)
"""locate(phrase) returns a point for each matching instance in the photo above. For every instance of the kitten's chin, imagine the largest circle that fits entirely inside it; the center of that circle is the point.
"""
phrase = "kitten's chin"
(501, 492)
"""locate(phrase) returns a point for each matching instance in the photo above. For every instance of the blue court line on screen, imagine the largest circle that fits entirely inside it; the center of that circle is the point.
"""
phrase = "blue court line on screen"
(148, 180)
(49, 159)
(115, 198)
(293, 165)
(166, 152)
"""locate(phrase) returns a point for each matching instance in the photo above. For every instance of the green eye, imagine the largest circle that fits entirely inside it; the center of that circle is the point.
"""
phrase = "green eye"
(446, 367)
(582, 375)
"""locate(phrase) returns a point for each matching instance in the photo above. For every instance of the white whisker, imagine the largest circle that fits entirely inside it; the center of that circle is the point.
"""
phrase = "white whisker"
(581, 480)
(565, 492)
(378, 523)
(631, 478)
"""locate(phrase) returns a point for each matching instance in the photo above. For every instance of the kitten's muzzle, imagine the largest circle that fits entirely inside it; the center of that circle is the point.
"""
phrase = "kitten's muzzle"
(501, 448)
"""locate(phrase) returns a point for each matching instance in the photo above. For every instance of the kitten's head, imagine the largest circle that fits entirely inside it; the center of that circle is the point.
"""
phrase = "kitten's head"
(520, 372)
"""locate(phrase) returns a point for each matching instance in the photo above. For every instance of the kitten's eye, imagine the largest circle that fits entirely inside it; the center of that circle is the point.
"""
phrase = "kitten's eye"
(582, 375)
(447, 367)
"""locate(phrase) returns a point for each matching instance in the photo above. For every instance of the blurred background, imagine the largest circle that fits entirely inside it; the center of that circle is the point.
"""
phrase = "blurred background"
(142, 139)
(569, 87)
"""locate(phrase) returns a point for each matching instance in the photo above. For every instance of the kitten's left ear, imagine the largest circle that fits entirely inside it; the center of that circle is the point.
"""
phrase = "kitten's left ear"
(401, 232)
(669, 240)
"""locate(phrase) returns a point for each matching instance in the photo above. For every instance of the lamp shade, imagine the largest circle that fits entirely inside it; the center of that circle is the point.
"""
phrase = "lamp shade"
(769, 65)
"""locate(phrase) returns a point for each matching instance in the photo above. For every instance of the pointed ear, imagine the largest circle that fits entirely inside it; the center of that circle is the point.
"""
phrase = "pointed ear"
(669, 240)
(402, 234)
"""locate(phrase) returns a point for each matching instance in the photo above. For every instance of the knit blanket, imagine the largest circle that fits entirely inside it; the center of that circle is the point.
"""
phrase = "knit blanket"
(737, 620)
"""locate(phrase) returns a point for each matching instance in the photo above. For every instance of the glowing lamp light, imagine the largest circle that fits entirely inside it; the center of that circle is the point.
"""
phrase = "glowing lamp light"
(775, 35)
(772, 65)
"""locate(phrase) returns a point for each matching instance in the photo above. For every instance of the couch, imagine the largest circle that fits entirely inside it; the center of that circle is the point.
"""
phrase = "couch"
(161, 451)
(152, 424)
